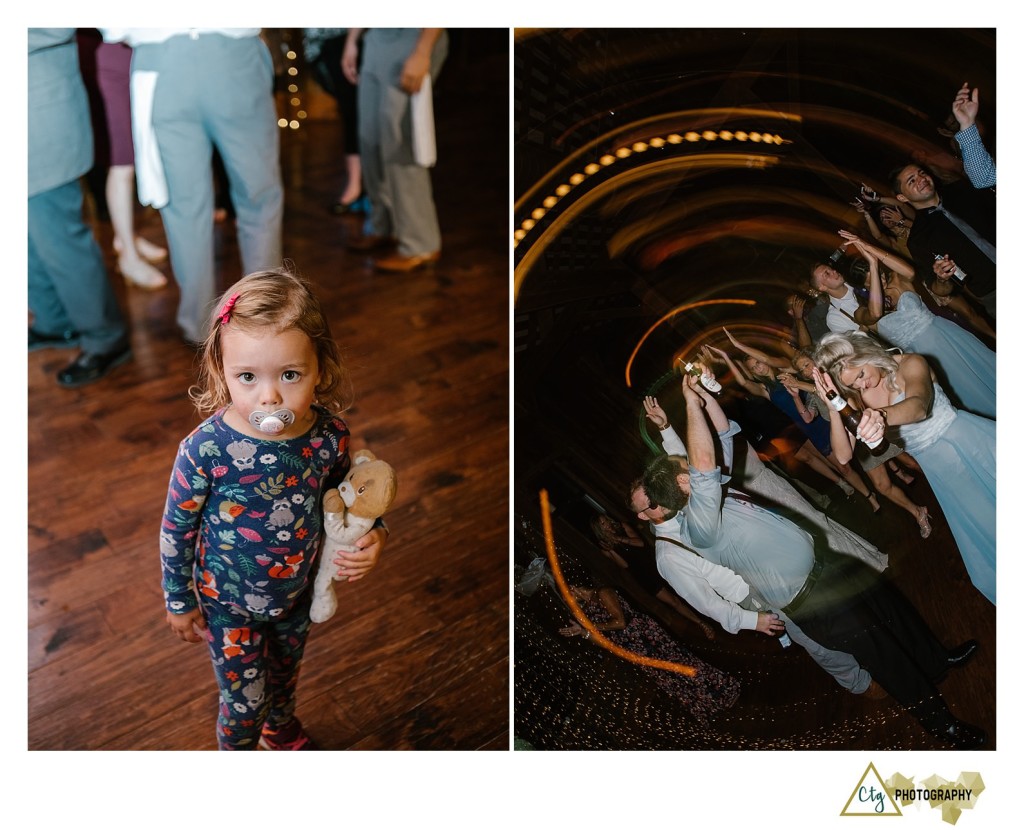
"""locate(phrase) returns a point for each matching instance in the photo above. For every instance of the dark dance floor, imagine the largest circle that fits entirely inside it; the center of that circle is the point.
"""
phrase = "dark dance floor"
(569, 695)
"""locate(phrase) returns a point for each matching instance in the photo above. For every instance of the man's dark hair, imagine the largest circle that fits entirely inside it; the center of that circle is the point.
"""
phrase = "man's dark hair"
(634, 485)
(660, 483)
(859, 272)
(894, 175)
(818, 263)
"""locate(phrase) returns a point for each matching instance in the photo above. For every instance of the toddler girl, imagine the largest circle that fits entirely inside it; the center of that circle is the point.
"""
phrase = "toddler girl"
(242, 523)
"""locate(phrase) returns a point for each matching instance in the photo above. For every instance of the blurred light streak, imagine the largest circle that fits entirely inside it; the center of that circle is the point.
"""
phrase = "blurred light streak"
(736, 78)
(888, 139)
(600, 191)
(869, 128)
(777, 231)
(672, 313)
(752, 332)
(685, 210)
(681, 121)
(766, 337)
(645, 130)
(595, 636)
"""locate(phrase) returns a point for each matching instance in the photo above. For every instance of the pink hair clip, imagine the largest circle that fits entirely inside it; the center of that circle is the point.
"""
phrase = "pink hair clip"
(225, 310)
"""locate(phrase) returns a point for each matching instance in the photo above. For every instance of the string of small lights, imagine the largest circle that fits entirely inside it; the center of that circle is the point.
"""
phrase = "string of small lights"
(294, 112)
(606, 160)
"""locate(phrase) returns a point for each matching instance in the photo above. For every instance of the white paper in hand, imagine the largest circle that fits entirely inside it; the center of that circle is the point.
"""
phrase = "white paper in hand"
(149, 169)
(424, 147)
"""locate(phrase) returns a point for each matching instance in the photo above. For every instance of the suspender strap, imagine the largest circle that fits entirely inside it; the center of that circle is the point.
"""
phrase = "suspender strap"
(678, 544)
(843, 310)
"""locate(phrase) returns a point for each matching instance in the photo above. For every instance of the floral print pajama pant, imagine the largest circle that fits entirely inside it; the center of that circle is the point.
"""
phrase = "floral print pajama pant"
(256, 660)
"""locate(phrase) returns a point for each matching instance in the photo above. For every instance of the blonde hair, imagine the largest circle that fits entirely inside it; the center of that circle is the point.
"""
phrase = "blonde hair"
(806, 353)
(280, 300)
(850, 350)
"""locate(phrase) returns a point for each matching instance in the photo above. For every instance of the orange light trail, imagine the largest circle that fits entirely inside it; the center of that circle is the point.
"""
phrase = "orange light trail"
(652, 126)
(654, 170)
(672, 313)
(595, 635)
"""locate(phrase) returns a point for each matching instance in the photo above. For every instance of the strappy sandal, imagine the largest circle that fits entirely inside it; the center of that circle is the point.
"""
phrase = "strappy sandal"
(878, 505)
(924, 523)
(901, 474)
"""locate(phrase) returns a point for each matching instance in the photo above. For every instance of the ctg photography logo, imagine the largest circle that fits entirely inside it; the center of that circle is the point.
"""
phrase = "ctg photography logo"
(874, 797)
(870, 797)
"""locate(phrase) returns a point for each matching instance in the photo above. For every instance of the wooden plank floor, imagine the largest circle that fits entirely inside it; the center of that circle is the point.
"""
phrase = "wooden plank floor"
(417, 655)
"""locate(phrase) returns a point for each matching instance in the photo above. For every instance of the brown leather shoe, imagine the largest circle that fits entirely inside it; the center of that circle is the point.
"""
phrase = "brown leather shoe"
(406, 263)
(371, 243)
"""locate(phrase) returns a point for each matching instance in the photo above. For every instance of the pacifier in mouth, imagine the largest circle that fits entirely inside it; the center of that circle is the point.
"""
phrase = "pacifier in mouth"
(271, 423)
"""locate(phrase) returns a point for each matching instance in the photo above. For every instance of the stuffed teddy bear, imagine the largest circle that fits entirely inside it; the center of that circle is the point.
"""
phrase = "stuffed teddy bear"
(349, 512)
